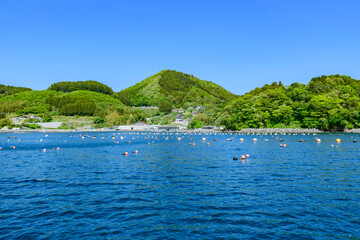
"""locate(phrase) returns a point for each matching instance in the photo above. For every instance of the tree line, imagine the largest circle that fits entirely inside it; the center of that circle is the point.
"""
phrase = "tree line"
(9, 90)
(89, 85)
(326, 103)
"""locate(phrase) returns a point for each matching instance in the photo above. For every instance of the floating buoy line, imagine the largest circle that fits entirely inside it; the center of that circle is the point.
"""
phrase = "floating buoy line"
(201, 139)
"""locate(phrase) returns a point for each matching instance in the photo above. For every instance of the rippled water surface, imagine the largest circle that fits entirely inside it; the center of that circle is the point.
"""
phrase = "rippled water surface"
(174, 190)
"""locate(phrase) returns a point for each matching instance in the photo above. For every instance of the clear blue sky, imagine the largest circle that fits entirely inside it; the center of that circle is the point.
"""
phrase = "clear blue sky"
(237, 44)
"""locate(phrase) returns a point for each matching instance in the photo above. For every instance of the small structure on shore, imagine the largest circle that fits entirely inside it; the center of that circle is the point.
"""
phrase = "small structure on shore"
(168, 127)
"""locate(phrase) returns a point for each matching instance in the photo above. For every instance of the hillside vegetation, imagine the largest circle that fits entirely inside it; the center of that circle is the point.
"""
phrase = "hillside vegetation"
(89, 85)
(8, 90)
(47, 101)
(326, 102)
(175, 89)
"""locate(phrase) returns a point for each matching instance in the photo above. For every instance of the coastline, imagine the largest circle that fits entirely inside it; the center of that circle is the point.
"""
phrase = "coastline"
(260, 131)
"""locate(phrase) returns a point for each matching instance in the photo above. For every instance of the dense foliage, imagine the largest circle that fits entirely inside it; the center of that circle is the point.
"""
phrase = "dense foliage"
(69, 105)
(89, 85)
(47, 101)
(326, 102)
(177, 90)
(26, 102)
(8, 90)
(4, 120)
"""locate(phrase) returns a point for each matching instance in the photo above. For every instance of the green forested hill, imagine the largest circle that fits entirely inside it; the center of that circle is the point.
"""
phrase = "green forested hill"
(8, 90)
(326, 102)
(46, 101)
(89, 85)
(177, 89)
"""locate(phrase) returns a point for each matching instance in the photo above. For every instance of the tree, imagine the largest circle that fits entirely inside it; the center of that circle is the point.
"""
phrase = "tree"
(4, 120)
(165, 107)
(47, 118)
(113, 118)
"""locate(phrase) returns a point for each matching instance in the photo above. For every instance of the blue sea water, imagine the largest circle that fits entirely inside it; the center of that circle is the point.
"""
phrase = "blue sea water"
(173, 190)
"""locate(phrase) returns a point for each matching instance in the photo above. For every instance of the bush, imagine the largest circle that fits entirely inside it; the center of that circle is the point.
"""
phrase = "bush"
(47, 118)
(165, 107)
(4, 120)
(196, 124)
(32, 120)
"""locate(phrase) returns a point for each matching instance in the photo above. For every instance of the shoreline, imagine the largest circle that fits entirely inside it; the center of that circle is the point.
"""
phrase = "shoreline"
(260, 131)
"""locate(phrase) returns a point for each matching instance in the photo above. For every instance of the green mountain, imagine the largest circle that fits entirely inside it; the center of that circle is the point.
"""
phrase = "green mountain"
(8, 90)
(89, 85)
(326, 102)
(176, 89)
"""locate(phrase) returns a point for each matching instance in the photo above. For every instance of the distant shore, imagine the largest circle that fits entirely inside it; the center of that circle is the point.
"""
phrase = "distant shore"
(243, 131)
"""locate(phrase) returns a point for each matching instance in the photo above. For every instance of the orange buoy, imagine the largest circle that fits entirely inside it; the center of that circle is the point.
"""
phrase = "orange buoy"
(193, 144)
(247, 155)
(58, 148)
(44, 150)
(284, 145)
(126, 153)
(208, 143)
